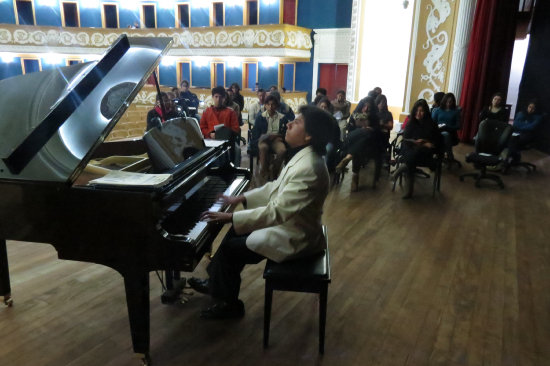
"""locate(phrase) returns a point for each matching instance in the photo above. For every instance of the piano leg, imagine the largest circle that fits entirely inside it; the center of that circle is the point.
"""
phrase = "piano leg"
(137, 300)
(5, 289)
(174, 287)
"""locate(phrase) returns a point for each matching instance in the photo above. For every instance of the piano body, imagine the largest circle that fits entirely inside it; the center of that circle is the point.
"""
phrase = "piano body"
(47, 139)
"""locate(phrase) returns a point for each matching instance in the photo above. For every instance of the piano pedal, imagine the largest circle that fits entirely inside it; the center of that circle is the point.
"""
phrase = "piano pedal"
(8, 301)
(171, 296)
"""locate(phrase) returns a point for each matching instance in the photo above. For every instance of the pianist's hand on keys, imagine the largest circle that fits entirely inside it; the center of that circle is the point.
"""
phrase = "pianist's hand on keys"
(222, 217)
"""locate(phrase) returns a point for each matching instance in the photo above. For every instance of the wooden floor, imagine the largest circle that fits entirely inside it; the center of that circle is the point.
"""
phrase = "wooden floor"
(460, 279)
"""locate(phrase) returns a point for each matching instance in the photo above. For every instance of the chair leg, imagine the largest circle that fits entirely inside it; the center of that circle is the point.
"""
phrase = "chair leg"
(267, 311)
(322, 317)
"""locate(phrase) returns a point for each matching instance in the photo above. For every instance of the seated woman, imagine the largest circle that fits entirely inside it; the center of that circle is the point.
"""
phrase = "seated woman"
(364, 140)
(525, 124)
(421, 139)
(282, 220)
(268, 137)
(495, 110)
(447, 117)
(386, 117)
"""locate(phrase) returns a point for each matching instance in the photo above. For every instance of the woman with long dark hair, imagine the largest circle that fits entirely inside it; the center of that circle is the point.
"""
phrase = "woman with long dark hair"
(365, 140)
(495, 110)
(421, 139)
(447, 117)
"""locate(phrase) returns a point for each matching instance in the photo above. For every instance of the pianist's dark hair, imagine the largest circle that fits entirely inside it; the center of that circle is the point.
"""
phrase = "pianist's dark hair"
(320, 125)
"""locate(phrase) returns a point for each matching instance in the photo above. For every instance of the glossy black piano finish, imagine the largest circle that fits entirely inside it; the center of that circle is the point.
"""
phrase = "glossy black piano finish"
(45, 196)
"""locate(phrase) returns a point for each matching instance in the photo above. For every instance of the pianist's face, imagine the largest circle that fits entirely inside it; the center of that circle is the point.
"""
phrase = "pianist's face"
(296, 132)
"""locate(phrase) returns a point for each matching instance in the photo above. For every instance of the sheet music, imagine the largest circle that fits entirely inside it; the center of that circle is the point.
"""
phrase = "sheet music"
(121, 178)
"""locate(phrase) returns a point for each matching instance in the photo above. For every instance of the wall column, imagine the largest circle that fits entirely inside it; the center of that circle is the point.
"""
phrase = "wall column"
(465, 20)
(430, 52)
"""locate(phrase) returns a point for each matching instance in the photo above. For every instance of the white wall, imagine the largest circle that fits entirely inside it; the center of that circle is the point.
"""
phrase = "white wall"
(384, 46)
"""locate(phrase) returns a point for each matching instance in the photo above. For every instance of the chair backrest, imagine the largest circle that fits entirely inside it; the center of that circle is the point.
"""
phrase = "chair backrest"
(492, 136)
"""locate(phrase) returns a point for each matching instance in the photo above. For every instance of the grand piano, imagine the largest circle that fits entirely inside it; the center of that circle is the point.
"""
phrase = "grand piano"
(51, 123)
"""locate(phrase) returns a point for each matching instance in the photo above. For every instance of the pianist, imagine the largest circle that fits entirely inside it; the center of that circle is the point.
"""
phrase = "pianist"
(282, 219)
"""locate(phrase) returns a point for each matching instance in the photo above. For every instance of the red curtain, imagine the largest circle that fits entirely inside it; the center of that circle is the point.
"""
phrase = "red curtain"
(489, 59)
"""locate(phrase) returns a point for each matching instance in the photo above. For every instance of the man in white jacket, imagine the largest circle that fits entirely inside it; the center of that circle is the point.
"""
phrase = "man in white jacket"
(282, 219)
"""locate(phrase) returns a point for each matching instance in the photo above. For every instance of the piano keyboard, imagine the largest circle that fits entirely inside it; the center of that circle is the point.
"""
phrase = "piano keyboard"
(200, 226)
(184, 221)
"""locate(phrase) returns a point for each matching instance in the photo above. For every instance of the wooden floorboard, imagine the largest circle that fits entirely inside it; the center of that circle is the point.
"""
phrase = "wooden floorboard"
(459, 279)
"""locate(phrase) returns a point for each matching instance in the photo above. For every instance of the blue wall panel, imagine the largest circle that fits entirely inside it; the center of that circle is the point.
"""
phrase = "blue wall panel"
(233, 75)
(7, 15)
(201, 76)
(48, 16)
(127, 17)
(167, 75)
(324, 14)
(267, 75)
(200, 17)
(11, 69)
(304, 77)
(288, 77)
(252, 76)
(165, 18)
(233, 15)
(269, 13)
(90, 18)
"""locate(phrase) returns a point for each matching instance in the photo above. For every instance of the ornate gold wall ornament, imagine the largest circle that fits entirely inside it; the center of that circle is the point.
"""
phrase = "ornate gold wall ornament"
(437, 43)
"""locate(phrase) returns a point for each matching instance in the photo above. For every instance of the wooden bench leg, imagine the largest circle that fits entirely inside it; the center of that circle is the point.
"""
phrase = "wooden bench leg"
(322, 317)
(267, 311)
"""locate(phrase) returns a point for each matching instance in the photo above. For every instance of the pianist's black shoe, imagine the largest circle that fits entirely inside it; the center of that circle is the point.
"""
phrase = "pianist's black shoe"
(224, 310)
(199, 285)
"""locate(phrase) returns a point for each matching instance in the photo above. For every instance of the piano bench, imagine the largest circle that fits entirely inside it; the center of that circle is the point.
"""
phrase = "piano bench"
(311, 274)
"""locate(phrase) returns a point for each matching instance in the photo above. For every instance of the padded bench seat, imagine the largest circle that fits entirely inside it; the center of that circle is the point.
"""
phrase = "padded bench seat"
(311, 274)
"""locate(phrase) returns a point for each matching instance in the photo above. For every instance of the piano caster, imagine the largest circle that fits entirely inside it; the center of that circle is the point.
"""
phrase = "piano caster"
(144, 358)
(8, 301)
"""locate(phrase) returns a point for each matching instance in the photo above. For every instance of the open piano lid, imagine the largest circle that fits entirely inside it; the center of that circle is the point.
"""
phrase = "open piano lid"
(52, 121)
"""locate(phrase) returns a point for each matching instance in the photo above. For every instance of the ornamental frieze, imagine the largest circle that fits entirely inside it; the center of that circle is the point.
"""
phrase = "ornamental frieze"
(267, 36)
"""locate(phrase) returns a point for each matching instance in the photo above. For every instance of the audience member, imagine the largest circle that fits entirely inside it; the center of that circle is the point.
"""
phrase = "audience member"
(364, 140)
(237, 96)
(230, 102)
(282, 219)
(189, 98)
(256, 108)
(283, 107)
(155, 117)
(319, 94)
(268, 137)
(495, 110)
(325, 104)
(438, 97)
(525, 125)
(421, 139)
(341, 105)
(218, 114)
(447, 117)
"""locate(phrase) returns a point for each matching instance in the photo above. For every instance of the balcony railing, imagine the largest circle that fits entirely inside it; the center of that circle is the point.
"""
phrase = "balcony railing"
(278, 40)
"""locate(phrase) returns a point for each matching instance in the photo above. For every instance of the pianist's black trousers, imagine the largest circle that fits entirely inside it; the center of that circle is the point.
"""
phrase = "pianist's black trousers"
(226, 266)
